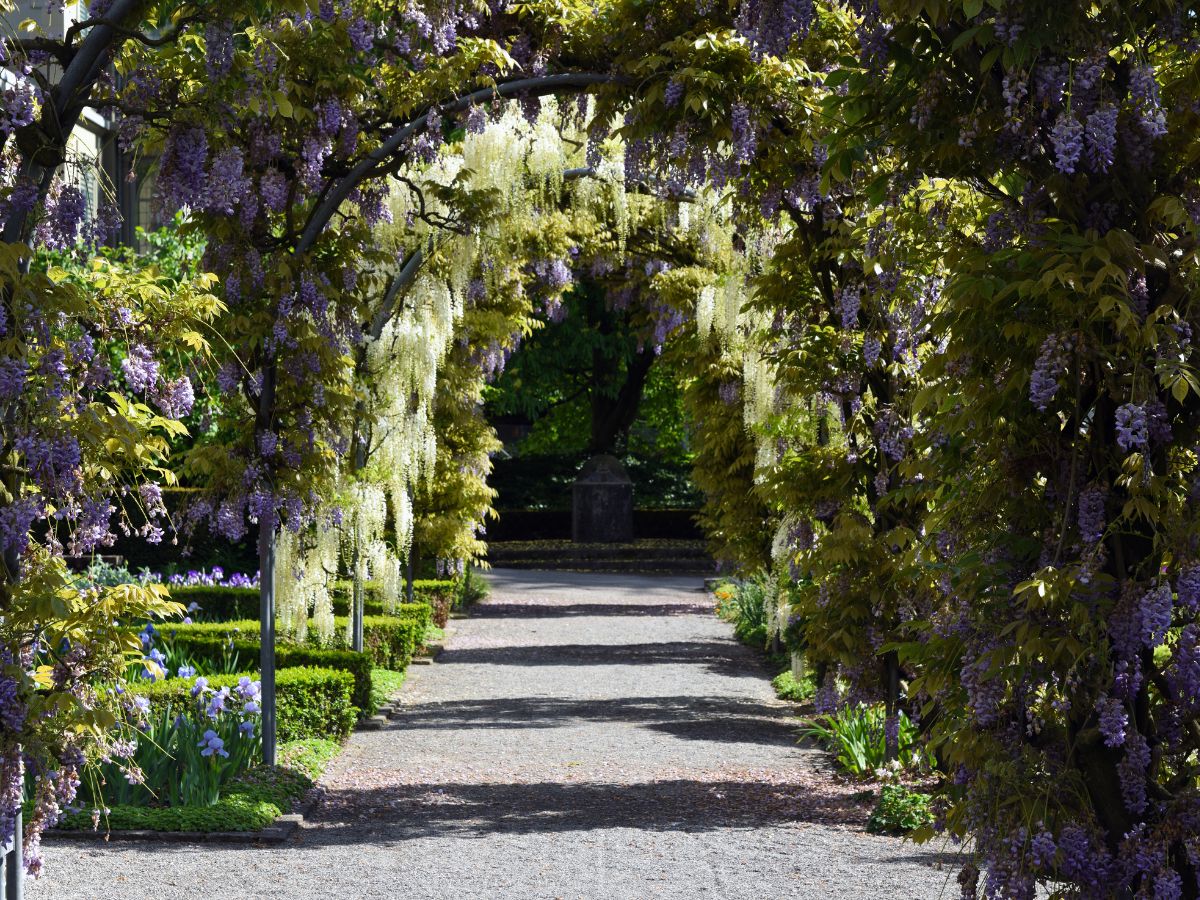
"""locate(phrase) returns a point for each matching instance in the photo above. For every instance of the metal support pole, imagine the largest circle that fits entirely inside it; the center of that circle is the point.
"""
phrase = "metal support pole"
(357, 610)
(14, 863)
(408, 580)
(266, 612)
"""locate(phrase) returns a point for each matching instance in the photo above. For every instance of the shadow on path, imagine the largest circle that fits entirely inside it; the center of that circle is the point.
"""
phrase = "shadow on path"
(405, 812)
(722, 657)
(501, 610)
(696, 717)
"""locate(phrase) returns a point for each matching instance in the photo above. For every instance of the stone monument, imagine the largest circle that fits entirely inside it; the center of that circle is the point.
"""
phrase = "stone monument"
(603, 502)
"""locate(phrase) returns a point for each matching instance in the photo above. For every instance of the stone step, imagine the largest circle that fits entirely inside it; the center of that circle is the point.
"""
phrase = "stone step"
(631, 566)
(501, 553)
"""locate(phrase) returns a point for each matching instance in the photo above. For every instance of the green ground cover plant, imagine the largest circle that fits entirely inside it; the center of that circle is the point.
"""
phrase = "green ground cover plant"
(789, 687)
(900, 810)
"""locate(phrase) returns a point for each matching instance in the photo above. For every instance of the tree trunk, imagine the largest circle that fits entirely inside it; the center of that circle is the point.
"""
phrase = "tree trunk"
(612, 417)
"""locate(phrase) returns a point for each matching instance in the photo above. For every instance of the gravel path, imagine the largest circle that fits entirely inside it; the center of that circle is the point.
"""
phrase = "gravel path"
(582, 736)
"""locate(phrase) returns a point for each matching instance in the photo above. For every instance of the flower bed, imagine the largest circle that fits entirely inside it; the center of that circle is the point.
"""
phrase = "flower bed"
(253, 800)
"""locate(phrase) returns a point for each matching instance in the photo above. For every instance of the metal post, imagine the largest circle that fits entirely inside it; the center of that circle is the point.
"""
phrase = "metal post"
(408, 580)
(14, 863)
(266, 612)
(357, 607)
(361, 441)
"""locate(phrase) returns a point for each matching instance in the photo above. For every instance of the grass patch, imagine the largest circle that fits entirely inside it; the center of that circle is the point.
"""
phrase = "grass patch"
(385, 684)
(252, 802)
(787, 687)
(309, 757)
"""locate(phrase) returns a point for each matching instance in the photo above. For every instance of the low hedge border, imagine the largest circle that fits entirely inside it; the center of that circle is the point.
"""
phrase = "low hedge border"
(213, 649)
(226, 604)
(390, 641)
(310, 703)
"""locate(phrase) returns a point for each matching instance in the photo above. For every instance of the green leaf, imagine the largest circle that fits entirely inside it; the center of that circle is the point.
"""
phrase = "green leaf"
(989, 59)
(965, 38)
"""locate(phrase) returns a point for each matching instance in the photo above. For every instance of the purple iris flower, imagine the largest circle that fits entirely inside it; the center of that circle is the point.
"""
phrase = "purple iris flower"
(212, 743)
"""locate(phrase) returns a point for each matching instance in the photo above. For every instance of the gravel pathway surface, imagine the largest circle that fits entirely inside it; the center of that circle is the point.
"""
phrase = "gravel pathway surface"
(582, 736)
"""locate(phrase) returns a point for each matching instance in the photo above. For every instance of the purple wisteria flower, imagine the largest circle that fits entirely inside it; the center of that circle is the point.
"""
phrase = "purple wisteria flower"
(871, 350)
(1091, 514)
(1143, 91)
(745, 138)
(1043, 382)
(1113, 720)
(175, 398)
(1042, 849)
(362, 34)
(13, 373)
(1131, 773)
(1184, 673)
(273, 189)
(849, 300)
(140, 368)
(228, 185)
(1067, 138)
(182, 180)
(1100, 137)
(12, 707)
(66, 215)
(1132, 427)
(1187, 585)
(1155, 615)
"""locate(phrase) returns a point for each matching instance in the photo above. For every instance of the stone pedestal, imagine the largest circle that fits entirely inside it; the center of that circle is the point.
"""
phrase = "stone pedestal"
(603, 503)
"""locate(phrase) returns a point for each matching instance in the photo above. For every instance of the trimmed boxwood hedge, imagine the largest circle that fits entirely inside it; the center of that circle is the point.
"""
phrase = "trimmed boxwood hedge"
(212, 649)
(390, 641)
(310, 702)
(437, 594)
(226, 604)
(220, 604)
